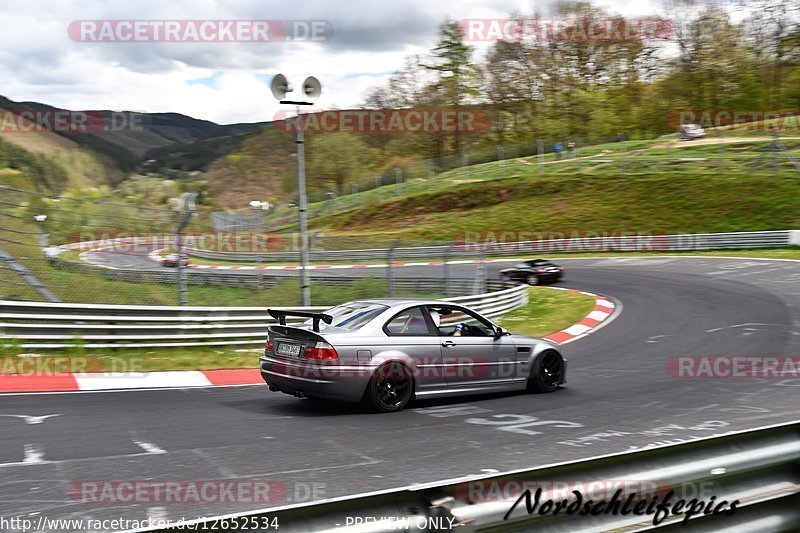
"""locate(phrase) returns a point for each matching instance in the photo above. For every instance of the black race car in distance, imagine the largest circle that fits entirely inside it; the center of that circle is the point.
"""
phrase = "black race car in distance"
(533, 272)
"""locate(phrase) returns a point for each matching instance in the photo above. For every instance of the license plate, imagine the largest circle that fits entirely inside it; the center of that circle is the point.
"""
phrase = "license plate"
(288, 349)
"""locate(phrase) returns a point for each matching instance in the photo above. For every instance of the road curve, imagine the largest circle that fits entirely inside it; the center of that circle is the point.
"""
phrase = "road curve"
(619, 397)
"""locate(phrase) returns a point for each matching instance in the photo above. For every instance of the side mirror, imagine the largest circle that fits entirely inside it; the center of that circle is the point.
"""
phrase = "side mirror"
(499, 332)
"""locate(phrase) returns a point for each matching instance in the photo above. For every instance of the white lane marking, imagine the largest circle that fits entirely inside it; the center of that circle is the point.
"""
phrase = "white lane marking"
(745, 325)
(604, 303)
(70, 461)
(598, 315)
(34, 455)
(656, 338)
(32, 419)
(149, 447)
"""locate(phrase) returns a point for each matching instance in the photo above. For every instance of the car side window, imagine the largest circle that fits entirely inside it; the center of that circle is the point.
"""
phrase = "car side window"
(467, 324)
(409, 322)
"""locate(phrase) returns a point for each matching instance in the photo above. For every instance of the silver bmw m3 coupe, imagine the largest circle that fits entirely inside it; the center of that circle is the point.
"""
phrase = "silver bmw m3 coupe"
(387, 352)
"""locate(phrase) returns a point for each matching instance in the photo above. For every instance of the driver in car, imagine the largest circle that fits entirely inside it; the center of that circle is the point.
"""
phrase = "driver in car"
(437, 320)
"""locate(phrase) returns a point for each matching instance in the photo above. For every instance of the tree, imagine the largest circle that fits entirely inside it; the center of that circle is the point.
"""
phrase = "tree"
(452, 62)
(336, 157)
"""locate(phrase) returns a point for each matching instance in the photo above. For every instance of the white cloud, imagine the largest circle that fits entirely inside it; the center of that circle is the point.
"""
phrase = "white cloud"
(38, 61)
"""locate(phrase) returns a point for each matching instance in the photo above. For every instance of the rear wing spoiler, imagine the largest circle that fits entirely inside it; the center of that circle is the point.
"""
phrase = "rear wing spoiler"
(316, 317)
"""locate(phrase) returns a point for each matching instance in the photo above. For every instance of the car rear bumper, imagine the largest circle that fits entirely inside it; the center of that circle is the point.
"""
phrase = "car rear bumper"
(333, 382)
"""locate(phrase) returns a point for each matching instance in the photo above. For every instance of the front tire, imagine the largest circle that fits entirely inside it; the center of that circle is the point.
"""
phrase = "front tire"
(533, 279)
(391, 388)
(547, 372)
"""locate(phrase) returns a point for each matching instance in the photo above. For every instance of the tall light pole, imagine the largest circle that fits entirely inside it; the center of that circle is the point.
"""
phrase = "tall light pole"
(188, 207)
(310, 91)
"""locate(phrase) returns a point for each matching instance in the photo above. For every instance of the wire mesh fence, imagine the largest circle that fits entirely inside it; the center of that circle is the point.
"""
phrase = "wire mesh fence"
(83, 250)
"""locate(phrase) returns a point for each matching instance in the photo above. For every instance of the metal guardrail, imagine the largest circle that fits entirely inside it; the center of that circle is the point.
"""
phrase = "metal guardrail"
(63, 325)
(758, 469)
(453, 286)
(587, 243)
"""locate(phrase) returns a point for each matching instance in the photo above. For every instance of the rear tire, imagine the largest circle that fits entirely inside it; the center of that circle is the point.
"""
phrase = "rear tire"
(547, 372)
(533, 279)
(391, 388)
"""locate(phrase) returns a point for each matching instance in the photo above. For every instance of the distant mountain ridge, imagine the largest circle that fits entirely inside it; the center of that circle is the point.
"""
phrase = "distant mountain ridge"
(126, 148)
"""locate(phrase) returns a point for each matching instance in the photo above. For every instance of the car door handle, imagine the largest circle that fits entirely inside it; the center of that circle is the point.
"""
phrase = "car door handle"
(448, 344)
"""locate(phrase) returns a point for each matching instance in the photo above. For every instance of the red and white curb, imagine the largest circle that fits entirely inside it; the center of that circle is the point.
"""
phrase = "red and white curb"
(604, 311)
(127, 381)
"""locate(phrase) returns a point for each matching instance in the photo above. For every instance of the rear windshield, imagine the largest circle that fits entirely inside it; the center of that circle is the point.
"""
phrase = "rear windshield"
(354, 315)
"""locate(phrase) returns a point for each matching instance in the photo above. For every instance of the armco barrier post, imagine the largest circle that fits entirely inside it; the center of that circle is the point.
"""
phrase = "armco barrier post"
(389, 267)
(479, 287)
(446, 266)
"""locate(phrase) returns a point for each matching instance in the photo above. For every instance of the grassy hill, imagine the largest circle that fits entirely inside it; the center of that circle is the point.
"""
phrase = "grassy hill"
(671, 203)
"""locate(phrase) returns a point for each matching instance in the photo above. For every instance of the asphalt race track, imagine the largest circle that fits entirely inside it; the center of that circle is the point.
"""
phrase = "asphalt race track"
(619, 396)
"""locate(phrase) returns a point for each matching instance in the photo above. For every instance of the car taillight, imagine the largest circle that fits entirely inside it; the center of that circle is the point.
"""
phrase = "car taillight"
(321, 350)
(269, 347)
(560, 268)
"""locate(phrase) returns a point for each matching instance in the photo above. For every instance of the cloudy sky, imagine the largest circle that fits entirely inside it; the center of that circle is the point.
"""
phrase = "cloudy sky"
(40, 60)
